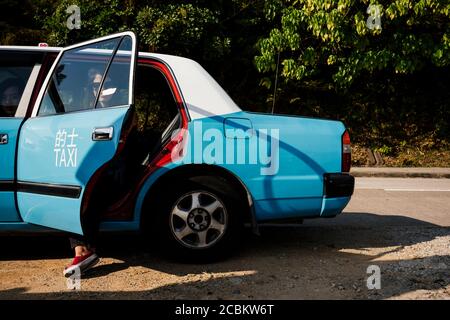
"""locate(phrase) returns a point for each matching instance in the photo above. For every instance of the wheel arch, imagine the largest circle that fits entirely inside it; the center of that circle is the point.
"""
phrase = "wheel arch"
(197, 171)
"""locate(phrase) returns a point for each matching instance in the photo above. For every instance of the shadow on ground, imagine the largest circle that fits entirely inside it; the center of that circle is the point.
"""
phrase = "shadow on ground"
(326, 258)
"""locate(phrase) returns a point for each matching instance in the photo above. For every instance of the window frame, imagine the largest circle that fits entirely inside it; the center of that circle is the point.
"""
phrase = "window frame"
(49, 76)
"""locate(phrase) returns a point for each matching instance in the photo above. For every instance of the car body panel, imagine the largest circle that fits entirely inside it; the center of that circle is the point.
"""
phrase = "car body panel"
(57, 153)
(10, 127)
(333, 206)
(296, 190)
(72, 162)
(8, 211)
(292, 183)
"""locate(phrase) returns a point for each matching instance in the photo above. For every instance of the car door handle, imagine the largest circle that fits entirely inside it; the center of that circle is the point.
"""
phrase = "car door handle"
(3, 138)
(102, 134)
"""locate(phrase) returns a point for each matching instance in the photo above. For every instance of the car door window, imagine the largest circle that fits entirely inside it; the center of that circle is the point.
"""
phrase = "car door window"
(116, 84)
(86, 78)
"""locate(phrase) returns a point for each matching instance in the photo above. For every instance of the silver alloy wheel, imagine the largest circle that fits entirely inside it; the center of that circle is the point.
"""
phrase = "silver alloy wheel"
(198, 219)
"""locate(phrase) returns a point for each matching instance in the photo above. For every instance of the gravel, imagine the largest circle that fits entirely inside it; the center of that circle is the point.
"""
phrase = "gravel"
(298, 262)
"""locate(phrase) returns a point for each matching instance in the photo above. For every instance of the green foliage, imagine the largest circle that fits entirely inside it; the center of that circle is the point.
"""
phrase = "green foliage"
(389, 85)
(327, 36)
(177, 28)
(17, 24)
(98, 18)
(385, 150)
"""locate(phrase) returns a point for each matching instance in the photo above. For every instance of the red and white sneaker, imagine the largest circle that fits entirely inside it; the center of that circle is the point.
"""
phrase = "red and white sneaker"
(83, 263)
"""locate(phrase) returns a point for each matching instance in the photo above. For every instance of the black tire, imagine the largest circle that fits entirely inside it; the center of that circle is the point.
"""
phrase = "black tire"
(162, 223)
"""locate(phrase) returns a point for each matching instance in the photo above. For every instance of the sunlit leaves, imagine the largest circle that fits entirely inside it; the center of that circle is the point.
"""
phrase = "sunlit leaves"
(318, 35)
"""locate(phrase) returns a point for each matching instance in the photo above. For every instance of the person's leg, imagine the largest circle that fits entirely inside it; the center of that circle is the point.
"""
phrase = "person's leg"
(90, 222)
(80, 245)
(85, 246)
(85, 256)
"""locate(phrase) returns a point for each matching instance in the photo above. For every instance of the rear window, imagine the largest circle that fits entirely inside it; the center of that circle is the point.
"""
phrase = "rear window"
(15, 71)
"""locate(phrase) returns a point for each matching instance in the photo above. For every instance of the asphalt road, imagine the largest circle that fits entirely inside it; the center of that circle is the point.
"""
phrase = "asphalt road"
(400, 225)
(426, 200)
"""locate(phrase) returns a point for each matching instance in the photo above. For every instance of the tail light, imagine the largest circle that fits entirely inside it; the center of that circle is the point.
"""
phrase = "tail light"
(346, 152)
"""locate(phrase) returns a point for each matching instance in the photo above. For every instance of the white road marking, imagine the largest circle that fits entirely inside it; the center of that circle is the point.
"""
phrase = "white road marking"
(419, 190)
(403, 184)
(404, 190)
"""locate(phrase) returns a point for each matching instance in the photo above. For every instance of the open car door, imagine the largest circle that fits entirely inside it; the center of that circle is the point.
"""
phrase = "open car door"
(75, 129)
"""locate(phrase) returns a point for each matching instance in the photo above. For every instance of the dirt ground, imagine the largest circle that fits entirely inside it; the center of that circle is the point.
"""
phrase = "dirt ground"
(320, 259)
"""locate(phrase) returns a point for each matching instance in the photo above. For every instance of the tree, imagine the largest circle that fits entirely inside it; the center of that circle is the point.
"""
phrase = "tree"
(388, 82)
(16, 23)
(328, 37)
(98, 18)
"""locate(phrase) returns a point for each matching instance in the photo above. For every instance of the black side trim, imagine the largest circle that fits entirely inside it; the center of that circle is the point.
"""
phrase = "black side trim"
(7, 185)
(338, 185)
(49, 189)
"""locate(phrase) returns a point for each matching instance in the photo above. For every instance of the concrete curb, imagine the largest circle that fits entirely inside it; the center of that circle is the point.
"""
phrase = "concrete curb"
(401, 172)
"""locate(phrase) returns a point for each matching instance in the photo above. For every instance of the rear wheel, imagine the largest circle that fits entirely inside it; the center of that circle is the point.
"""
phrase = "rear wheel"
(198, 221)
